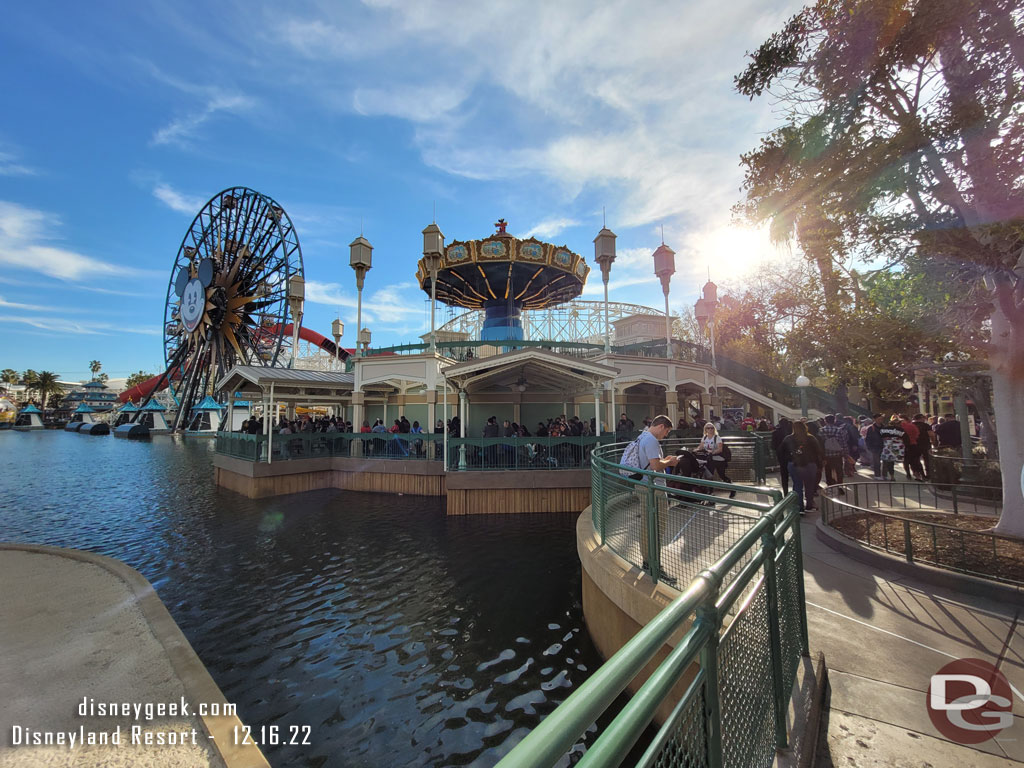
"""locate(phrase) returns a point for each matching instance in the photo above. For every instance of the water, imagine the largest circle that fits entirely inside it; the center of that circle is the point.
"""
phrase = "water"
(401, 636)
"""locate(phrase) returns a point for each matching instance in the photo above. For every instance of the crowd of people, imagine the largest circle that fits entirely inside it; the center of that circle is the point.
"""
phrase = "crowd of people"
(808, 450)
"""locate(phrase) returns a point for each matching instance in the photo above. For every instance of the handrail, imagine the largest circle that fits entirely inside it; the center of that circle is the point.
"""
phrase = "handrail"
(556, 734)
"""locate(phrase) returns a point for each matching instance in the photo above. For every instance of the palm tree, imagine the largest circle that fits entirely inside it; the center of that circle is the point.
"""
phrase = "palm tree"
(31, 380)
(9, 376)
(47, 385)
(94, 366)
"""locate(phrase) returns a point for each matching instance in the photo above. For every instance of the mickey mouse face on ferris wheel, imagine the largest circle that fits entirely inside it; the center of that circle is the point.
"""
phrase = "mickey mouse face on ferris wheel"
(192, 292)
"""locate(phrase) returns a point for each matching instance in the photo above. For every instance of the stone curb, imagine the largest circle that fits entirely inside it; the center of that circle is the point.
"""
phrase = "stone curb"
(195, 678)
(958, 582)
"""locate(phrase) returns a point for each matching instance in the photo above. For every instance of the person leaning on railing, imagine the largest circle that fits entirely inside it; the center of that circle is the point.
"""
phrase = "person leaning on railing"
(645, 453)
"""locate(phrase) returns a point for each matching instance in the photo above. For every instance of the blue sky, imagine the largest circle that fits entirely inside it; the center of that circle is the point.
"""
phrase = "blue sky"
(121, 119)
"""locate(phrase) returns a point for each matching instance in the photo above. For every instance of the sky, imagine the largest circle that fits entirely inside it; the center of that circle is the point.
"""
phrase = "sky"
(120, 120)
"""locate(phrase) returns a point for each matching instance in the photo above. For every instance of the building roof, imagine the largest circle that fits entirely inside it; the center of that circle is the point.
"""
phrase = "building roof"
(208, 404)
(30, 408)
(129, 407)
(262, 376)
(153, 405)
(95, 384)
(83, 408)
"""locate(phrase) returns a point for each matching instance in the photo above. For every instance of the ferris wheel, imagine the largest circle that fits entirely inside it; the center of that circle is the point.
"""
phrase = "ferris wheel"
(227, 298)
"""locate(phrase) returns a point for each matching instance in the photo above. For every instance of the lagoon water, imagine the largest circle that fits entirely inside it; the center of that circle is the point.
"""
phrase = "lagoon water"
(399, 635)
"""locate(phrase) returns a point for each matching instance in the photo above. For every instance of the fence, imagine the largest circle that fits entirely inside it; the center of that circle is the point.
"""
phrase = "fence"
(925, 524)
(308, 445)
(747, 629)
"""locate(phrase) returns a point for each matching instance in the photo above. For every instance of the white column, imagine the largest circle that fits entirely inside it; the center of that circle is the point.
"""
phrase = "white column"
(597, 412)
(464, 409)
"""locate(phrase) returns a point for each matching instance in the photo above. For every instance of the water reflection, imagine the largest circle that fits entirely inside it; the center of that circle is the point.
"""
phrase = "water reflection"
(401, 636)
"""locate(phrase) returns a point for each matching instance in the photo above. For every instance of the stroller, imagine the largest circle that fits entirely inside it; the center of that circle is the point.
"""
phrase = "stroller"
(692, 465)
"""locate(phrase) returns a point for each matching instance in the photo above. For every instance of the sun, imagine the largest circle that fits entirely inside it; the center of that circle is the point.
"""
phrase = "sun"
(733, 251)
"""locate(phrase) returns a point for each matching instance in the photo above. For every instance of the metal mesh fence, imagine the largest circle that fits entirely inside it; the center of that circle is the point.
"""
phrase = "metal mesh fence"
(687, 745)
(745, 684)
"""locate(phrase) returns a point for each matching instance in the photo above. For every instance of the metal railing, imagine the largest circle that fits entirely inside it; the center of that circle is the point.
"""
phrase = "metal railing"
(910, 519)
(309, 445)
(522, 453)
(745, 630)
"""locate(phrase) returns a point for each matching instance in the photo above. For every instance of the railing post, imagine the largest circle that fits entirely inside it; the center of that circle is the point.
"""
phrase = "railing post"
(771, 585)
(797, 541)
(956, 509)
(709, 664)
(597, 504)
(653, 537)
(907, 544)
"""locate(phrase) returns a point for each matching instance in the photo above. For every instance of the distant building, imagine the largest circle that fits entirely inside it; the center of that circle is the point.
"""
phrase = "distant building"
(95, 394)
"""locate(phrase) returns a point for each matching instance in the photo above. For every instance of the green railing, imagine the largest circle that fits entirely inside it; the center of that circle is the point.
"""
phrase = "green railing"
(309, 445)
(522, 453)
(909, 519)
(745, 628)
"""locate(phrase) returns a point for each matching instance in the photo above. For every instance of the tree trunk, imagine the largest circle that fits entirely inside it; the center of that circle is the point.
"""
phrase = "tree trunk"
(1007, 366)
(979, 394)
(842, 397)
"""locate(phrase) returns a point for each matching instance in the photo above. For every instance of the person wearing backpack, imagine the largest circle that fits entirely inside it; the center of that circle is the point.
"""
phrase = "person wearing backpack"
(837, 448)
(802, 453)
(645, 453)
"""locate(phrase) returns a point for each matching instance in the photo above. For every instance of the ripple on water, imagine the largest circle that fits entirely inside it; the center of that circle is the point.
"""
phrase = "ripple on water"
(402, 637)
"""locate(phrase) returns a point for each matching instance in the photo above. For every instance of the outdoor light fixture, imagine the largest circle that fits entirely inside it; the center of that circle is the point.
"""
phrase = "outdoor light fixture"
(908, 384)
(802, 383)
(433, 248)
(337, 331)
(664, 268)
(296, 299)
(604, 255)
(361, 260)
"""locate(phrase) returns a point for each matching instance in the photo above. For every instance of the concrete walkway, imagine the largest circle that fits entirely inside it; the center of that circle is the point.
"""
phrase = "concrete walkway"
(78, 628)
(883, 636)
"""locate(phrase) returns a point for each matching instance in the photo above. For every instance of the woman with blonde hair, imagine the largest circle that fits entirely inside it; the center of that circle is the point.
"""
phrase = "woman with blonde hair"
(712, 446)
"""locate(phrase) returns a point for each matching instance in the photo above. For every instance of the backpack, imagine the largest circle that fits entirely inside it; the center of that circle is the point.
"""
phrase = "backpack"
(800, 454)
(631, 458)
(832, 445)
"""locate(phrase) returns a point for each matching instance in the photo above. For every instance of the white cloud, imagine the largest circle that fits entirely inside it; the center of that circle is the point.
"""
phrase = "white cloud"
(61, 326)
(551, 227)
(183, 129)
(27, 307)
(422, 103)
(9, 166)
(176, 200)
(24, 243)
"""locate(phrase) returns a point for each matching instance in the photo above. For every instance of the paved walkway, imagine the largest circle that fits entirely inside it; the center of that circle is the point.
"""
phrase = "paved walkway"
(883, 636)
(74, 627)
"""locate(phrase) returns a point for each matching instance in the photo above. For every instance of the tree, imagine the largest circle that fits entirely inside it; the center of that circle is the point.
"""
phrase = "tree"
(94, 367)
(46, 385)
(31, 380)
(9, 376)
(904, 147)
(137, 378)
(103, 378)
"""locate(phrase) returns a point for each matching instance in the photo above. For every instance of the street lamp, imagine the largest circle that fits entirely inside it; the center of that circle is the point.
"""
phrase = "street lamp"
(296, 298)
(704, 311)
(361, 260)
(433, 247)
(664, 268)
(604, 255)
(337, 331)
(802, 383)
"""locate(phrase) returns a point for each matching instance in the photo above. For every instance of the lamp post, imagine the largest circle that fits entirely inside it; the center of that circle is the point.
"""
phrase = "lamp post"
(802, 383)
(704, 311)
(604, 255)
(337, 331)
(296, 298)
(433, 247)
(664, 268)
(361, 260)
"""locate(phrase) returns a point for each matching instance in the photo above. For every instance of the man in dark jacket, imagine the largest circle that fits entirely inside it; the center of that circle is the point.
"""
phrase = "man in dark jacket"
(873, 442)
(924, 443)
(779, 434)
